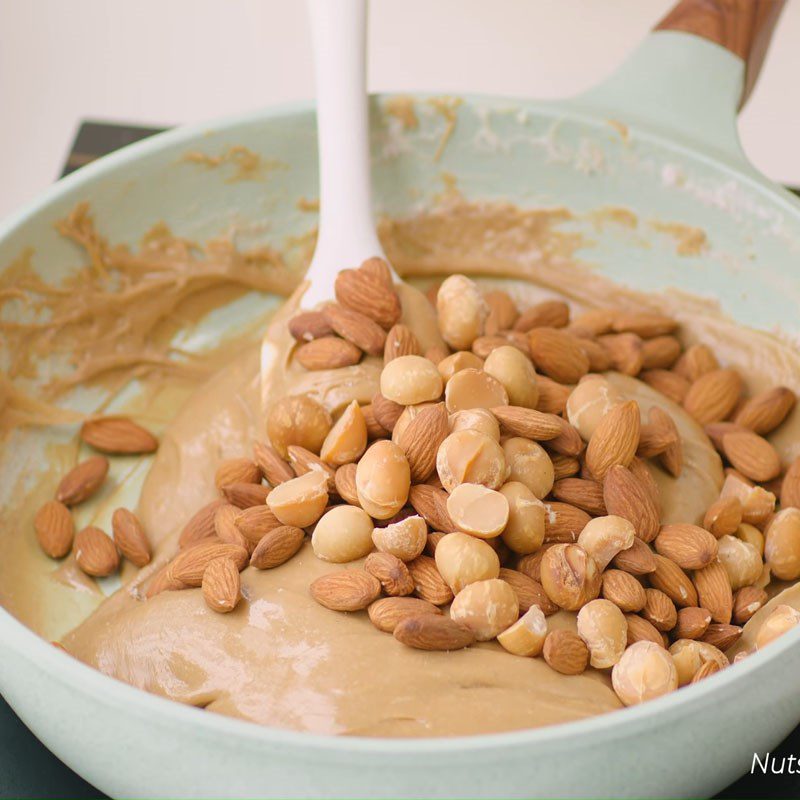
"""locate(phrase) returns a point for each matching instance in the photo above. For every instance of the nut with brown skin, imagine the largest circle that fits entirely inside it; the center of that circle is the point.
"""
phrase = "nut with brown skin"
(723, 516)
(623, 590)
(689, 546)
(614, 440)
(747, 601)
(392, 573)
(692, 623)
(645, 671)
(486, 607)
(565, 652)
(659, 610)
(570, 576)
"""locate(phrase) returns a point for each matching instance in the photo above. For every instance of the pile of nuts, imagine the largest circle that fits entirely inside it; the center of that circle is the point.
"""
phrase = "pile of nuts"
(501, 479)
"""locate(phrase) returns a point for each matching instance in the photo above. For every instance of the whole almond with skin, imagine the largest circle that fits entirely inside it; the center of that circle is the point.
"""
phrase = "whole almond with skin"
(752, 455)
(431, 504)
(723, 517)
(674, 582)
(622, 589)
(713, 396)
(82, 481)
(374, 429)
(625, 496)
(692, 623)
(716, 431)
(221, 585)
(255, 522)
(714, 591)
(594, 322)
(526, 422)
(246, 495)
(565, 652)
(531, 564)
(433, 540)
(584, 494)
(388, 612)
(644, 475)
(746, 602)
(563, 522)
(640, 630)
(697, 361)
(130, 537)
(599, 357)
(308, 325)
(614, 440)
(547, 314)
(529, 592)
(661, 352)
(722, 636)
(328, 352)
(503, 312)
(369, 294)
(428, 582)
(190, 564)
(558, 354)
(670, 384)
(95, 553)
(357, 328)
(162, 581)
(387, 412)
(564, 466)
(567, 443)
(347, 590)
(433, 632)
(553, 396)
(648, 325)
(767, 410)
(665, 435)
(659, 610)
(638, 559)
(400, 341)
(625, 351)
(378, 268)
(225, 527)
(689, 546)
(393, 574)
(277, 546)
(705, 670)
(54, 528)
(200, 526)
(272, 466)
(236, 470)
(420, 440)
(345, 482)
(118, 435)
(790, 487)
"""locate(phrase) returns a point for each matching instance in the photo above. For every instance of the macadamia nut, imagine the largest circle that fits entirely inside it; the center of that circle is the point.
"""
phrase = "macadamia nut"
(462, 559)
(487, 608)
(470, 457)
(343, 534)
(477, 510)
(644, 672)
(529, 463)
(462, 312)
(409, 380)
(383, 478)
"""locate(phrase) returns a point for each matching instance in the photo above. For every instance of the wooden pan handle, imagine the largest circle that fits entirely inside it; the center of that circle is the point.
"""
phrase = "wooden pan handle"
(742, 26)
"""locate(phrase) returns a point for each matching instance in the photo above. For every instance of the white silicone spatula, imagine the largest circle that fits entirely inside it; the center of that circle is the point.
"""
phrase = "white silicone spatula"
(346, 225)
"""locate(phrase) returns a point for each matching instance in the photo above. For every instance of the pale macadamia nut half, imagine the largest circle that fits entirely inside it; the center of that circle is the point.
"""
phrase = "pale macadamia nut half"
(529, 463)
(455, 362)
(477, 510)
(300, 501)
(781, 619)
(474, 388)
(461, 311)
(782, 544)
(741, 561)
(475, 419)
(470, 456)
(602, 626)
(383, 478)
(297, 419)
(517, 374)
(347, 439)
(409, 380)
(526, 636)
(524, 531)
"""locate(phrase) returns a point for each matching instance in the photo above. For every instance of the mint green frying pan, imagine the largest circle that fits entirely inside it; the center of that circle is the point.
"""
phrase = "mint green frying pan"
(680, 160)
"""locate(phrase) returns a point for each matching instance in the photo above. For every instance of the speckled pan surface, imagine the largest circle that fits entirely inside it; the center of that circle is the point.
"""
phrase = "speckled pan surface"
(653, 139)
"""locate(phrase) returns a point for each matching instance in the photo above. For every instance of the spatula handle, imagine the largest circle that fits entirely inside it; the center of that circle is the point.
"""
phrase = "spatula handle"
(742, 26)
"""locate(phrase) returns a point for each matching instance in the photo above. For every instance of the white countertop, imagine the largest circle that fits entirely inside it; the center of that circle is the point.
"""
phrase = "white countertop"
(167, 61)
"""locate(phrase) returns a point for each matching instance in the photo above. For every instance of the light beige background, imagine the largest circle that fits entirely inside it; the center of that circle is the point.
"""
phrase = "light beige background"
(169, 61)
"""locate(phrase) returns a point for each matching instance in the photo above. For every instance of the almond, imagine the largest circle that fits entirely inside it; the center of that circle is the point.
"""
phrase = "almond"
(428, 582)
(622, 589)
(714, 591)
(503, 312)
(670, 384)
(625, 351)
(717, 431)
(640, 630)
(400, 341)
(392, 573)
(645, 324)
(692, 623)
(625, 496)
(584, 494)
(517, 421)
(95, 553)
(345, 483)
(722, 636)
(388, 612)
(705, 670)
(369, 294)
(746, 602)
(82, 481)
(328, 352)
(552, 396)
(642, 472)
(374, 429)
(689, 546)
(660, 438)
(614, 440)
(308, 325)
(661, 352)
(130, 537)
(568, 442)
(161, 581)
(387, 412)
(303, 461)
(674, 582)
(790, 488)
(272, 466)
(254, 523)
(659, 610)
(431, 504)
(723, 516)
(766, 411)
(594, 322)
(200, 526)
(563, 522)
(636, 560)
(236, 470)
(433, 632)
(752, 455)
(712, 397)
(190, 564)
(558, 354)
(564, 466)
(225, 527)
(697, 361)
(547, 314)
(433, 540)
(246, 495)
(599, 357)
(565, 652)
(277, 546)
(221, 585)
(420, 440)
(118, 435)
(528, 591)
(357, 328)
(347, 590)
(54, 528)
(378, 268)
